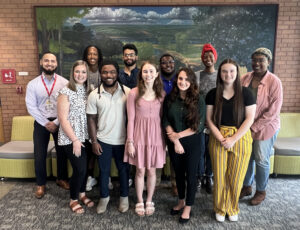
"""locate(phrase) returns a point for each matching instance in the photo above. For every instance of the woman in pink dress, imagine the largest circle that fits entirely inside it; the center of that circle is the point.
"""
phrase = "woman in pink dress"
(145, 147)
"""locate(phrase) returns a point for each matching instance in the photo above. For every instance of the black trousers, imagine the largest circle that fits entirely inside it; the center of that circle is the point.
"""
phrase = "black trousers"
(185, 167)
(78, 179)
(91, 159)
(41, 137)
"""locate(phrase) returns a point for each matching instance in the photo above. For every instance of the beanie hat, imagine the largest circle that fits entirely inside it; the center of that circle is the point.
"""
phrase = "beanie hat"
(208, 47)
(263, 51)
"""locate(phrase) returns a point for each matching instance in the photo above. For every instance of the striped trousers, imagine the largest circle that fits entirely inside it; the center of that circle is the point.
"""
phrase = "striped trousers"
(229, 168)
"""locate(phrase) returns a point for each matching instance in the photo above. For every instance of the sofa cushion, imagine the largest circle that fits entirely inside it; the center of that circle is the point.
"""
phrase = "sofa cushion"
(287, 146)
(20, 150)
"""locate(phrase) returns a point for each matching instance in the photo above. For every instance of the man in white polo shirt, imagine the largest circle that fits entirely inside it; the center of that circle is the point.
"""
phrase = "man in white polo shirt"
(106, 111)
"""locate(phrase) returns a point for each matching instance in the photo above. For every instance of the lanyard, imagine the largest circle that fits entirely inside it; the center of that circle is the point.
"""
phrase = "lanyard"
(49, 93)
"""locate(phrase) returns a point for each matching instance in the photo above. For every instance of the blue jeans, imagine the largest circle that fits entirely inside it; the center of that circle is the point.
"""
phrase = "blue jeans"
(104, 163)
(260, 158)
(204, 168)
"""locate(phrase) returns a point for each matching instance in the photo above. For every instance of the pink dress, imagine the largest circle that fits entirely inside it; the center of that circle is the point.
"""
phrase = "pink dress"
(144, 129)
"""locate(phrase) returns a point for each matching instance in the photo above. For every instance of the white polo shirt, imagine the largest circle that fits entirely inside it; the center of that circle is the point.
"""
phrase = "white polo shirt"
(111, 110)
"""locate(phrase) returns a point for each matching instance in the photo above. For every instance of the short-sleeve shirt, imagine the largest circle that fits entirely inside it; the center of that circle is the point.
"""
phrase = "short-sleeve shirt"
(76, 116)
(111, 111)
(129, 80)
(207, 81)
(227, 118)
(94, 80)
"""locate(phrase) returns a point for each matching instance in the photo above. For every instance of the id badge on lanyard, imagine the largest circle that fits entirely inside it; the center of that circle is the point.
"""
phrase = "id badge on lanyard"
(49, 106)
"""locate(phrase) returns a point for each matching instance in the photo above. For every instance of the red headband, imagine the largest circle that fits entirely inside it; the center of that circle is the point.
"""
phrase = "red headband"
(209, 47)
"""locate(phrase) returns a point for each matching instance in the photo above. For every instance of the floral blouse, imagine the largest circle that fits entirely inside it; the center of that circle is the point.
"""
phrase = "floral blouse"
(77, 115)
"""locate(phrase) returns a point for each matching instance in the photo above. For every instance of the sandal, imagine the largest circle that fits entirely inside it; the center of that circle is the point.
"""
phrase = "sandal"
(76, 207)
(150, 209)
(86, 201)
(139, 209)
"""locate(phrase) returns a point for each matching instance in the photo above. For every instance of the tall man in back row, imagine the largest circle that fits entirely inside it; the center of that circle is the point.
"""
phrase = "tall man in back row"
(41, 104)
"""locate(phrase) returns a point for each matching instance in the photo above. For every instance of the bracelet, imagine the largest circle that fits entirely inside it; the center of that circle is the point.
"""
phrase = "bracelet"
(130, 142)
(93, 142)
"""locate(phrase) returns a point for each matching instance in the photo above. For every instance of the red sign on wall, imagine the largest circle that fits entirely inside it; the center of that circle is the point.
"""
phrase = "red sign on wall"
(8, 76)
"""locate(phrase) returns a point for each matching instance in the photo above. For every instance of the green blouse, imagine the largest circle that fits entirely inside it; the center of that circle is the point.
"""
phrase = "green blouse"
(174, 114)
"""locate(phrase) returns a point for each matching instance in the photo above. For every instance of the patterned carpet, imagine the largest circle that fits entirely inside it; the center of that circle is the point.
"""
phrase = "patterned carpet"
(20, 210)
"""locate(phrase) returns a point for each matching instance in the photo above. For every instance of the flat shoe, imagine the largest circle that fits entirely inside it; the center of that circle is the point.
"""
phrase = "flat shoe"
(183, 220)
(63, 184)
(76, 207)
(233, 218)
(40, 191)
(150, 209)
(174, 212)
(87, 201)
(220, 218)
(139, 209)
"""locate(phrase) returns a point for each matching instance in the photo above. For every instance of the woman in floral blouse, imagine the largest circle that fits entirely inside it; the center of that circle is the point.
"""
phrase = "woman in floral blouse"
(71, 106)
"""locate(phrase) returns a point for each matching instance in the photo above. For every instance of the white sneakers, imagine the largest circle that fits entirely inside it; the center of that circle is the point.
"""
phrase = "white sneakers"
(221, 218)
(90, 183)
(110, 185)
(130, 182)
(233, 218)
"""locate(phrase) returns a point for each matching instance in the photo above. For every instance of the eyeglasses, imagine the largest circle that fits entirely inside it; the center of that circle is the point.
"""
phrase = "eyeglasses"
(129, 55)
(112, 72)
(167, 62)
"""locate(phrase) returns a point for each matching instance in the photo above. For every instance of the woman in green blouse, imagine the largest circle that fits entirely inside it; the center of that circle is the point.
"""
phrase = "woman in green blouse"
(183, 120)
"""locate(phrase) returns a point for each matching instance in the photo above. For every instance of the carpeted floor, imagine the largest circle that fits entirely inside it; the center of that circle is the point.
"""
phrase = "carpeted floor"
(20, 210)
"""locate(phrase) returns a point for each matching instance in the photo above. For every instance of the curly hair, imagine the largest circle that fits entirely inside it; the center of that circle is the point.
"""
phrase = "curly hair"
(157, 86)
(191, 100)
(238, 102)
(85, 54)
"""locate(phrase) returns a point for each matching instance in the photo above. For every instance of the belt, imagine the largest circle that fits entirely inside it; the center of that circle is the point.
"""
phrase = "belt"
(51, 118)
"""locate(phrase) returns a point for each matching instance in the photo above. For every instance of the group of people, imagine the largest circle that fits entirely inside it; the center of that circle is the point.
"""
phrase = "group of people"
(137, 116)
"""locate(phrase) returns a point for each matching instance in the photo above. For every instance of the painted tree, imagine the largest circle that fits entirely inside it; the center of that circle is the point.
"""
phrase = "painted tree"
(50, 22)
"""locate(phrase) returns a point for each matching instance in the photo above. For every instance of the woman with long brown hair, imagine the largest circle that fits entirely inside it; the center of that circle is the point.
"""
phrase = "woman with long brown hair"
(145, 146)
(230, 113)
(183, 120)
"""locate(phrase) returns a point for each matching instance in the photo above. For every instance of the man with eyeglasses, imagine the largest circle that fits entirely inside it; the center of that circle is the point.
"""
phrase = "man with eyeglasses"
(106, 113)
(128, 75)
(167, 74)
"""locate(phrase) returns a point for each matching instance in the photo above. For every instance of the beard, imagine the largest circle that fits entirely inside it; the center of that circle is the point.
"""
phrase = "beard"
(130, 64)
(48, 72)
(109, 85)
(167, 74)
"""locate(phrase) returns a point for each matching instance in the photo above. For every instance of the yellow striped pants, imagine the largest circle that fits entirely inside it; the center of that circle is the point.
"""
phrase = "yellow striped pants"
(229, 168)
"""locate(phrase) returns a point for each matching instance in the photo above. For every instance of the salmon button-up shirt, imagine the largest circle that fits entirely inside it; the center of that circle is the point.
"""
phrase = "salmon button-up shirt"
(268, 105)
